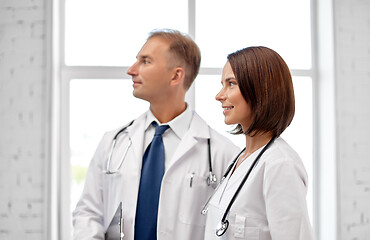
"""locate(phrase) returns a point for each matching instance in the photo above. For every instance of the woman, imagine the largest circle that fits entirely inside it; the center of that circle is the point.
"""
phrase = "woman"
(257, 95)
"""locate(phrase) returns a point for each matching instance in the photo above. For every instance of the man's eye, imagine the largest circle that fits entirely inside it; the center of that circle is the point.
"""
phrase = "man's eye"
(145, 61)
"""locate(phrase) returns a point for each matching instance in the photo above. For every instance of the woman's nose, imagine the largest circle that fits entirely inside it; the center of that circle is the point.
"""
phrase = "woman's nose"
(220, 96)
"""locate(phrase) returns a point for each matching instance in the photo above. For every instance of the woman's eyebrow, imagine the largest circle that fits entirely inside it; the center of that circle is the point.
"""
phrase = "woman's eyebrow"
(229, 78)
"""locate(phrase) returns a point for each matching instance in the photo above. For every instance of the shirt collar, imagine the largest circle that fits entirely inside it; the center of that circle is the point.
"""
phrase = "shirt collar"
(179, 124)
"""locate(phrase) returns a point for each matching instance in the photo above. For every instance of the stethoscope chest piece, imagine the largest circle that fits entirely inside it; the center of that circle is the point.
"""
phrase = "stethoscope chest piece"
(211, 179)
(222, 227)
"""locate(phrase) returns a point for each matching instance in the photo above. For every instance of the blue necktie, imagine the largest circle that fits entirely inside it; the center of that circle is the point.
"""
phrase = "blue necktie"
(150, 185)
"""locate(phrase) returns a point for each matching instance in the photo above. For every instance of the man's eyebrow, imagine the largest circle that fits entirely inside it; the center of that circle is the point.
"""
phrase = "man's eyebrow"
(143, 57)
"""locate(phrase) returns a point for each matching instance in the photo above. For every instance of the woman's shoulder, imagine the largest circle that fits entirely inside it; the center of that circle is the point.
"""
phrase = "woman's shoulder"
(281, 152)
(282, 158)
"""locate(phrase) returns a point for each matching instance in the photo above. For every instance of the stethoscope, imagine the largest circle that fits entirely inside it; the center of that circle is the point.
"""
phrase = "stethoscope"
(108, 168)
(224, 224)
(211, 179)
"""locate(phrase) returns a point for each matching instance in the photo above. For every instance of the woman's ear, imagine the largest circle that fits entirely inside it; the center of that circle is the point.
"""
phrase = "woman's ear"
(178, 76)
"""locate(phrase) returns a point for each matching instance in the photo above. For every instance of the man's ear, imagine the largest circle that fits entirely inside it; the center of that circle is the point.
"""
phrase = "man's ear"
(178, 76)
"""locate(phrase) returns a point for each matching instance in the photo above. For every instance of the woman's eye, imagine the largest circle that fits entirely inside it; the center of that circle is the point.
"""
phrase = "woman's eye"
(232, 83)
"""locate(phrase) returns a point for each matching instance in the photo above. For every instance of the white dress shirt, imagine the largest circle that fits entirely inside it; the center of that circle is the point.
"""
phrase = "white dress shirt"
(172, 136)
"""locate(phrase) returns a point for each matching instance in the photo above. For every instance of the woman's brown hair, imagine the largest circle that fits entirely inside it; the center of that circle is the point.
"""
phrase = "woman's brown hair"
(266, 84)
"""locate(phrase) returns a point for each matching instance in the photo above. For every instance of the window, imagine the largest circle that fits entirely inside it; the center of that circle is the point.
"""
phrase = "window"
(100, 39)
(94, 105)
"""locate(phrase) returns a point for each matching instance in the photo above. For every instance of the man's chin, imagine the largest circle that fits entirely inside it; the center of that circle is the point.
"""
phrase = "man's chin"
(140, 96)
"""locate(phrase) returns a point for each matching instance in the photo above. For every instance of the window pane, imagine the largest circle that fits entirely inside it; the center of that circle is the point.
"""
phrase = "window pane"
(231, 25)
(298, 134)
(96, 106)
(111, 32)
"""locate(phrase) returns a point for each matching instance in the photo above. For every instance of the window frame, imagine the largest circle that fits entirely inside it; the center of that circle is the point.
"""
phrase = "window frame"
(63, 74)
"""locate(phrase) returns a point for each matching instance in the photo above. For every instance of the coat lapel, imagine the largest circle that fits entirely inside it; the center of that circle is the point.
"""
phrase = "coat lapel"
(198, 130)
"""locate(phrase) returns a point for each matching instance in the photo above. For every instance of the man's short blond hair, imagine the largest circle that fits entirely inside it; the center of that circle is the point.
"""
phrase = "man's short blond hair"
(184, 53)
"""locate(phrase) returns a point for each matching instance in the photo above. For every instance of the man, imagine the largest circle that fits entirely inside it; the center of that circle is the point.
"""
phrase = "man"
(161, 198)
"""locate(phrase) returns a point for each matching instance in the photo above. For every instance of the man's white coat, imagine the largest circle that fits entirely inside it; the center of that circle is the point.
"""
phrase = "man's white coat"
(180, 204)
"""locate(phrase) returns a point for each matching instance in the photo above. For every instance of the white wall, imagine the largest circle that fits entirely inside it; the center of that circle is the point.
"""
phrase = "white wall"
(23, 119)
(352, 69)
(25, 126)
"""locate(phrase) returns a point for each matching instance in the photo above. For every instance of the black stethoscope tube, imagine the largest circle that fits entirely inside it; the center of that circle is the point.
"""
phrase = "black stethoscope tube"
(211, 179)
(224, 222)
(205, 207)
(209, 154)
(232, 164)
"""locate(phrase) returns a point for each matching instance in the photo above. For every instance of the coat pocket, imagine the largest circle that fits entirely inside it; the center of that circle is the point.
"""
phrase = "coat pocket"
(193, 197)
(239, 230)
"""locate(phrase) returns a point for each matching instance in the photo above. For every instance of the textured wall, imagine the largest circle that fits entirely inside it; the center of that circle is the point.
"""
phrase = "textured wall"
(352, 36)
(23, 119)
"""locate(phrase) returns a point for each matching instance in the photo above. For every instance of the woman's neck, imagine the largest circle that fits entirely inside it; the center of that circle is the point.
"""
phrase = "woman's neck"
(256, 142)
(253, 144)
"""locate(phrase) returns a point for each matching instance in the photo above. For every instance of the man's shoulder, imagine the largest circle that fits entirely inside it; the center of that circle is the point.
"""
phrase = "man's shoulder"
(133, 123)
(219, 138)
(215, 136)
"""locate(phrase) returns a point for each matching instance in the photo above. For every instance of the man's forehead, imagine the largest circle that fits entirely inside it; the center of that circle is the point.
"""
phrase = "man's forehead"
(153, 46)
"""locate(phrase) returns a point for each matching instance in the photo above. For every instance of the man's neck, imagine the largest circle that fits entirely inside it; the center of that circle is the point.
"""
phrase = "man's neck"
(166, 112)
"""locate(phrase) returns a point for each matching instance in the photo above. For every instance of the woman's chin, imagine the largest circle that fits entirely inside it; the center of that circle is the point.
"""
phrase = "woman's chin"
(227, 122)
